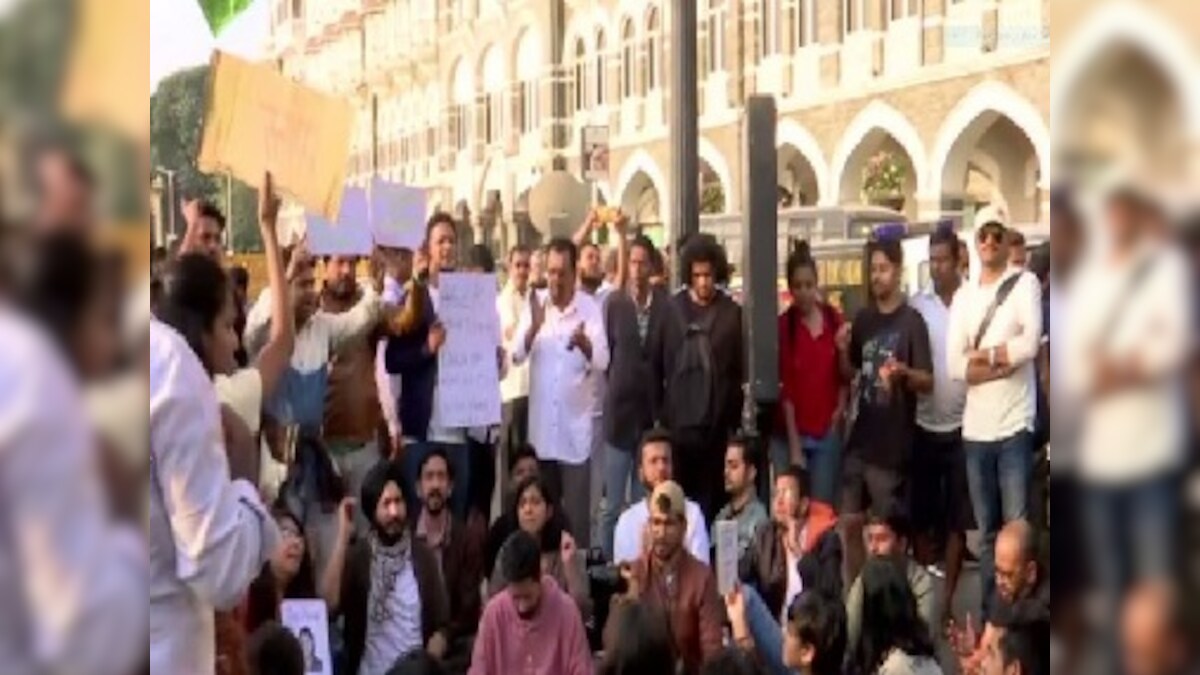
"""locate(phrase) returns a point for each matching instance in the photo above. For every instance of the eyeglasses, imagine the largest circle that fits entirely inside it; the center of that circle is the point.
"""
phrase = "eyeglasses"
(993, 233)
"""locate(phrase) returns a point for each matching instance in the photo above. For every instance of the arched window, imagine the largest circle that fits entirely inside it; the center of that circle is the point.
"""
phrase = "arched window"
(799, 16)
(714, 26)
(628, 60)
(653, 76)
(529, 71)
(767, 25)
(580, 76)
(464, 95)
(493, 89)
(851, 16)
(601, 79)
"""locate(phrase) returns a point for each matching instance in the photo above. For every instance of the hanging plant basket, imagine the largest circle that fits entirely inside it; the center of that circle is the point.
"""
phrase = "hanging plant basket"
(884, 180)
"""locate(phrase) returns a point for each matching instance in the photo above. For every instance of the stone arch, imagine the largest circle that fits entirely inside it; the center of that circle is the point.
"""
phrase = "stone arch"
(711, 155)
(995, 122)
(638, 174)
(807, 150)
(1143, 29)
(878, 127)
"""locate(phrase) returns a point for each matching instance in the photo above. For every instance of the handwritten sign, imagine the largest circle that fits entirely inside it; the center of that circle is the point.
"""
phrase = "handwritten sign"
(397, 215)
(258, 120)
(308, 620)
(351, 236)
(468, 374)
(727, 555)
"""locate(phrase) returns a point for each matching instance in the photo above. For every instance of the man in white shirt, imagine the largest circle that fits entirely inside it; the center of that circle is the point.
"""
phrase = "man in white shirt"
(995, 336)
(514, 388)
(941, 510)
(209, 535)
(1127, 352)
(657, 467)
(70, 578)
(563, 339)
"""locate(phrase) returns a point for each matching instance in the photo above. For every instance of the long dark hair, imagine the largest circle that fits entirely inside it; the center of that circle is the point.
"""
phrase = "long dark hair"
(644, 643)
(262, 599)
(889, 619)
(552, 531)
(194, 292)
(801, 258)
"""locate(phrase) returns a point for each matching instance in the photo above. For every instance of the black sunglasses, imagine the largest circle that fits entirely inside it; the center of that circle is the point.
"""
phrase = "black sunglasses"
(992, 232)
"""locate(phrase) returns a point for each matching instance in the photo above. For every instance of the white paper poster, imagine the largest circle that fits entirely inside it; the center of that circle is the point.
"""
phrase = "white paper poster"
(351, 235)
(397, 215)
(308, 620)
(468, 375)
(727, 556)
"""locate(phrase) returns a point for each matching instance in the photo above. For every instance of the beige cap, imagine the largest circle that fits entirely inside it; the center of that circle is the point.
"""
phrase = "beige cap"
(670, 492)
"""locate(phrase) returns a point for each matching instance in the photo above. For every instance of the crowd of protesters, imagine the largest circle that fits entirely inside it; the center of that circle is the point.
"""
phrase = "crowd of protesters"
(899, 431)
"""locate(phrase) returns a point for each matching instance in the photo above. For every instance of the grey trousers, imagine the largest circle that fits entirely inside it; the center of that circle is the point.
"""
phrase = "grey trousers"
(573, 484)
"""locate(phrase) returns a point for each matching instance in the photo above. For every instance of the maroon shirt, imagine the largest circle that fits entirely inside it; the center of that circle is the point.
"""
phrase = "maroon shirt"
(809, 372)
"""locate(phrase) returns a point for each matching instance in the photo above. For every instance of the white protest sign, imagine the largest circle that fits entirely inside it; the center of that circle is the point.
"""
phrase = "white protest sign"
(727, 555)
(351, 235)
(308, 620)
(397, 215)
(468, 374)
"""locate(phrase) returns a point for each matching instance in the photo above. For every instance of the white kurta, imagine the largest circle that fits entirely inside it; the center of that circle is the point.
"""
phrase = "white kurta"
(209, 536)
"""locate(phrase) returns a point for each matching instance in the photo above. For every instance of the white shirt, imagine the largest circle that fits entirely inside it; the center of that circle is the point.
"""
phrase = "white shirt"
(70, 579)
(562, 393)
(209, 536)
(511, 304)
(387, 642)
(243, 393)
(1138, 433)
(322, 336)
(1063, 403)
(795, 585)
(941, 411)
(999, 409)
(600, 377)
(631, 528)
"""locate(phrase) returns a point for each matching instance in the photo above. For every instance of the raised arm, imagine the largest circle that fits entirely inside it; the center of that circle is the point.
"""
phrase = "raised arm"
(276, 355)
(222, 532)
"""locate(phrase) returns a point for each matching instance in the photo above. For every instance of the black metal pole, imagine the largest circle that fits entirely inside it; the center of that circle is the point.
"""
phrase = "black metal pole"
(685, 128)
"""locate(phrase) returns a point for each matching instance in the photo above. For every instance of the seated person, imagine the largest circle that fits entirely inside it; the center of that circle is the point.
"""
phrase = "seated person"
(532, 626)
(459, 549)
(798, 550)
(811, 642)
(631, 540)
(524, 464)
(669, 577)
(888, 536)
(744, 507)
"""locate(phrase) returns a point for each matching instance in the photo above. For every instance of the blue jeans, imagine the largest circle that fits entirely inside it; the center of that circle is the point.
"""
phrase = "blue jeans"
(620, 476)
(1131, 531)
(823, 459)
(766, 632)
(460, 469)
(998, 473)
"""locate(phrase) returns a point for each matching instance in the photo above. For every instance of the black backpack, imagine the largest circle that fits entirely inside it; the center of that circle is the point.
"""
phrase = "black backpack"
(691, 389)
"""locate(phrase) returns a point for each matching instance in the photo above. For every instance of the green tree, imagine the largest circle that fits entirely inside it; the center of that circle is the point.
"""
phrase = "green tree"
(176, 126)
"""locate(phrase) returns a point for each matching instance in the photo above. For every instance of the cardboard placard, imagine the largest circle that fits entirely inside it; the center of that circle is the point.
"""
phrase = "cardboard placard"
(308, 620)
(258, 120)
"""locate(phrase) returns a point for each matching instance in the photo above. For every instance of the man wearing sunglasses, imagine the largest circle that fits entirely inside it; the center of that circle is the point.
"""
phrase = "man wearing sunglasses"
(993, 343)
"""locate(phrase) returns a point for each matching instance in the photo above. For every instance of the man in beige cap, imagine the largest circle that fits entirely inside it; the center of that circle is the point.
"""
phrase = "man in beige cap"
(670, 578)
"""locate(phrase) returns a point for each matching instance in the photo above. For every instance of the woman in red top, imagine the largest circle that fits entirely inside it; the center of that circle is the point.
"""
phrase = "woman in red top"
(814, 396)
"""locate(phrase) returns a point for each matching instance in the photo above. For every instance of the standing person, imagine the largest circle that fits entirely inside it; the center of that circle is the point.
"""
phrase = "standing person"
(814, 392)
(205, 233)
(563, 339)
(387, 586)
(656, 467)
(942, 512)
(1127, 351)
(414, 356)
(210, 535)
(666, 576)
(514, 388)
(704, 396)
(537, 270)
(741, 481)
(995, 335)
(888, 349)
(532, 626)
(644, 332)
(1018, 250)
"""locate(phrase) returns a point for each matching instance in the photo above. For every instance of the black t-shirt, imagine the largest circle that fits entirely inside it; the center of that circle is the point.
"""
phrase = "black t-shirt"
(883, 433)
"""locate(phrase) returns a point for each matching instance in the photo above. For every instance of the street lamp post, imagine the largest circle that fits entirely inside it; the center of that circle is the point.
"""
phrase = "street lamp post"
(170, 198)
(685, 130)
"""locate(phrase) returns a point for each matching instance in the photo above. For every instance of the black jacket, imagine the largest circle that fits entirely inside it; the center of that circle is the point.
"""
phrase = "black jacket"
(764, 565)
(408, 356)
(637, 371)
(356, 596)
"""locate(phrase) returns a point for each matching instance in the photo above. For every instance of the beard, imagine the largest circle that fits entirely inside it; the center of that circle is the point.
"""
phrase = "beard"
(435, 503)
(591, 283)
(343, 289)
(389, 534)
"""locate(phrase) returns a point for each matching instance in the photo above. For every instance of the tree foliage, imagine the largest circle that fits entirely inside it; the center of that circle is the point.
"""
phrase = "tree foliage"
(176, 126)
